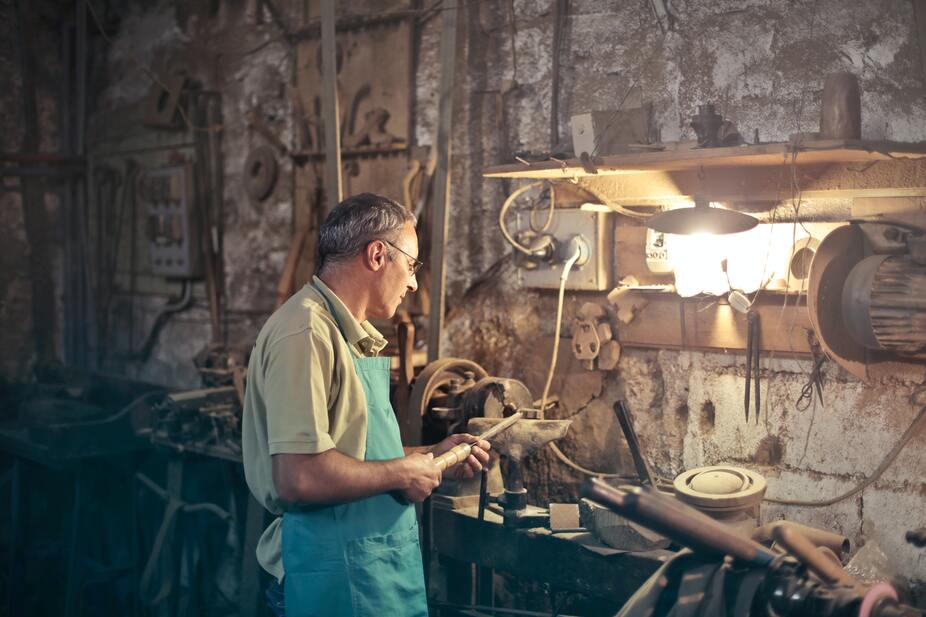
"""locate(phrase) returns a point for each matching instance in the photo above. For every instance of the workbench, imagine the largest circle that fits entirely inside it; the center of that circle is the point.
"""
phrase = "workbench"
(572, 561)
(71, 447)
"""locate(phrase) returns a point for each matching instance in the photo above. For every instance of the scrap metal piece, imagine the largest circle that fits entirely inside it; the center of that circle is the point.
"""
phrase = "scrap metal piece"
(163, 102)
(592, 338)
(712, 130)
(586, 344)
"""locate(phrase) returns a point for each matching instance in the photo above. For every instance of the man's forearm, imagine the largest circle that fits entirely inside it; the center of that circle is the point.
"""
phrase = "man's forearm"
(332, 477)
(421, 449)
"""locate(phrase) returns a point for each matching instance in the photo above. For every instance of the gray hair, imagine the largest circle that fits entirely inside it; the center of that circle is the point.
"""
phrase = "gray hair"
(357, 221)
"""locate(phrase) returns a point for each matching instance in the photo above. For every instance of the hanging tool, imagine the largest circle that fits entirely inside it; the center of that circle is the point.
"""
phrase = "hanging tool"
(459, 453)
(752, 361)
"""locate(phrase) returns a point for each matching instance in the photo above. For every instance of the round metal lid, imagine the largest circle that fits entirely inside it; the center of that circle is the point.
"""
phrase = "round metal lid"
(720, 487)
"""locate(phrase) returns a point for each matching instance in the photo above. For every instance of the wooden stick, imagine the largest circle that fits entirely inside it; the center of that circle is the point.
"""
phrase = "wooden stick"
(459, 453)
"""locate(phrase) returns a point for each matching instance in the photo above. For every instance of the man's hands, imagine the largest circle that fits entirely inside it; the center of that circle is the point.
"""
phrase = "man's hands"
(473, 464)
(421, 476)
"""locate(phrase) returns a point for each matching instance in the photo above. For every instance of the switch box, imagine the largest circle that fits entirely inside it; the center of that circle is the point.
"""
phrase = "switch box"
(173, 235)
(595, 228)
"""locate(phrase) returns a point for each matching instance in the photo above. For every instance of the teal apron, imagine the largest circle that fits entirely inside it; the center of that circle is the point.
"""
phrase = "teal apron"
(360, 558)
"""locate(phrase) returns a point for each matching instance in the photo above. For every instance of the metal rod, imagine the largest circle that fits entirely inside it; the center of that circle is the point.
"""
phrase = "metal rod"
(802, 548)
(623, 417)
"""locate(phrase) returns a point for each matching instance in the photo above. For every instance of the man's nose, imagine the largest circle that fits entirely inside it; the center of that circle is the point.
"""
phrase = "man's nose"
(413, 283)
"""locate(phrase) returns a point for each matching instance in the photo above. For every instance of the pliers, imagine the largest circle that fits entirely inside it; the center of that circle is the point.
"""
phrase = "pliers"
(752, 360)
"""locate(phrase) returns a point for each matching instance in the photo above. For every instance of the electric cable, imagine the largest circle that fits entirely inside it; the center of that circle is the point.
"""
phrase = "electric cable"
(888, 460)
(567, 267)
(546, 224)
(507, 204)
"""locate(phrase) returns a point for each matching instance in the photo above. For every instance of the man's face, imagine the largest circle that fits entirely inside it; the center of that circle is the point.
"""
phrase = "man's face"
(397, 277)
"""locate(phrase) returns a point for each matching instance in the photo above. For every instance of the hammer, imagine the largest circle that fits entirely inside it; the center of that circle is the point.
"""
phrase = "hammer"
(459, 453)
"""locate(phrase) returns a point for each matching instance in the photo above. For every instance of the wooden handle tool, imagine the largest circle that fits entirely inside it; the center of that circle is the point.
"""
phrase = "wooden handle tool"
(459, 453)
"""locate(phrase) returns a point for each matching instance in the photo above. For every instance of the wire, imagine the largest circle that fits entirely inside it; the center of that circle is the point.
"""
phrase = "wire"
(567, 267)
(904, 440)
(569, 463)
(507, 204)
(549, 221)
(559, 323)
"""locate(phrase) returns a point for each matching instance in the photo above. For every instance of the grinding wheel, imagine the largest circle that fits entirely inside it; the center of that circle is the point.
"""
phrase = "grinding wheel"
(260, 173)
(837, 254)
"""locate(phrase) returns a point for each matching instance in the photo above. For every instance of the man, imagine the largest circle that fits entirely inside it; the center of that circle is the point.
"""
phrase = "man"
(320, 439)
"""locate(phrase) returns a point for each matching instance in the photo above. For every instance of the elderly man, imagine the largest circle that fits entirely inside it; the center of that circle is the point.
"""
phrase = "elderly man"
(321, 442)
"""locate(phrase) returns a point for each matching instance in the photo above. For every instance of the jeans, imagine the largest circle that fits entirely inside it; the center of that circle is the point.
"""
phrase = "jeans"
(275, 599)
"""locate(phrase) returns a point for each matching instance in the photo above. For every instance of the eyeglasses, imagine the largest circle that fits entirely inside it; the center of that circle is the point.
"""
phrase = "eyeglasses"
(414, 265)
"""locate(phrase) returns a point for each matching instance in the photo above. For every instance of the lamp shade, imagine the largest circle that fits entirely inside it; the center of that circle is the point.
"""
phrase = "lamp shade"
(701, 218)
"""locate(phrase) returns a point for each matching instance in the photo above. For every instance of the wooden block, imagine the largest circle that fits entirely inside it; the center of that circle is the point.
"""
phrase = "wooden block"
(564, 516)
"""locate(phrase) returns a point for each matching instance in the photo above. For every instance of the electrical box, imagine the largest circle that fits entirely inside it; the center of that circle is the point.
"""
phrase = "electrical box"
(596, 230)
(173, 238)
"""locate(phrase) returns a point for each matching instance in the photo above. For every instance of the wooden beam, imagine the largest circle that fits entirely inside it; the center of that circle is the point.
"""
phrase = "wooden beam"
(442, 177)
(330, 113)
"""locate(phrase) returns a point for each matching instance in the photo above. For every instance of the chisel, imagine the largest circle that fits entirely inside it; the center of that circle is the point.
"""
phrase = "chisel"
(459, 453)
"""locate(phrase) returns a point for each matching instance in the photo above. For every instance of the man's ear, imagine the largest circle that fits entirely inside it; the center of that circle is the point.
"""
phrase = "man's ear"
(375, 255)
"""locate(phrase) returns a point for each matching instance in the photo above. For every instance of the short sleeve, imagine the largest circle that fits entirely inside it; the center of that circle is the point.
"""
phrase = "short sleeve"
(298, 374)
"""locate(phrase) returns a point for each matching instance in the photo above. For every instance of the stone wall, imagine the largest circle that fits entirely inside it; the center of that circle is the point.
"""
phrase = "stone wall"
(762, 64)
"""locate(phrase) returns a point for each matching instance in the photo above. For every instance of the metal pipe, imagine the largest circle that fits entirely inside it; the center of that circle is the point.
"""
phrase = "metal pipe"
(677, 521)
(833, 541)
(829, 571)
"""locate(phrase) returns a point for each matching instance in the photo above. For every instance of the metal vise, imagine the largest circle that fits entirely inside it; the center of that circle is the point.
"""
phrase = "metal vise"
(516, 443)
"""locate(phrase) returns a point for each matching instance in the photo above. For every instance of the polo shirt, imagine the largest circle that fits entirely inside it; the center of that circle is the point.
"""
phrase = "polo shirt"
(303, 396)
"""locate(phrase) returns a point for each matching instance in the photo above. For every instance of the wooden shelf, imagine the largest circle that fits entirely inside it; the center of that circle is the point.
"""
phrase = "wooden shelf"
(760, 155)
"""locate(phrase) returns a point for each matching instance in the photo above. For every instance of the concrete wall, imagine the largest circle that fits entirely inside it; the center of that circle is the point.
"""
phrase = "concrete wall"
(761, 62)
